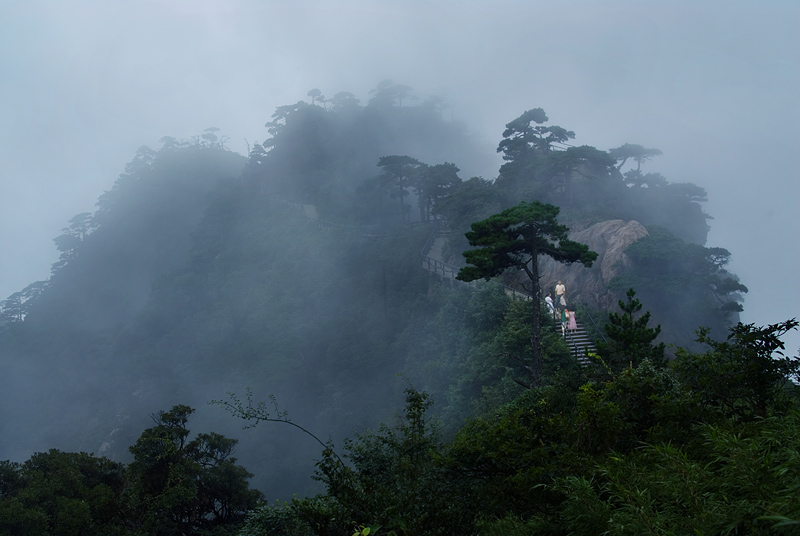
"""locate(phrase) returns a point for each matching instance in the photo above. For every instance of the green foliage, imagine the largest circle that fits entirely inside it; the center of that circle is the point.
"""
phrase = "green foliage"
(283, 519)
(655, 449)
(631, 339)
(733, 485)
(186, 487)
(469, 355)
(394, 479)
(61, 493)
(638, 454)
(173, 486)
(745, 375)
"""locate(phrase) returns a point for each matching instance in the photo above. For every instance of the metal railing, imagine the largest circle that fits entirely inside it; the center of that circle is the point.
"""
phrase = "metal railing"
(597, 328)
(440, 268)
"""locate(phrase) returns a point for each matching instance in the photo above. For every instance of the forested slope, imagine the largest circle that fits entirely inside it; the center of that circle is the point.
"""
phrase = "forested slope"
(200, 273)
(195, 277)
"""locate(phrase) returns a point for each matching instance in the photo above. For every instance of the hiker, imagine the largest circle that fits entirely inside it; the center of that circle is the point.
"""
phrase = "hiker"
(549, 301)
(561, 291)
(564, 313)
(573, 324)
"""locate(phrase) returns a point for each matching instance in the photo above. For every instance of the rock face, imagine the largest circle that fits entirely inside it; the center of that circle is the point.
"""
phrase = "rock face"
(608, 239)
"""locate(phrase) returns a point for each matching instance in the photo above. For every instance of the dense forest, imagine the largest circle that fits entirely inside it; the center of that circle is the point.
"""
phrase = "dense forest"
(285, 288)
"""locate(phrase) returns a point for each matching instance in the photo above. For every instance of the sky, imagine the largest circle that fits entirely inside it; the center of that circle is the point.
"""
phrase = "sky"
(715, 85)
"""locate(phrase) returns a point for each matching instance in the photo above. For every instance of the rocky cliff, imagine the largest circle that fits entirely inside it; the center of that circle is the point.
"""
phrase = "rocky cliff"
(608, 239)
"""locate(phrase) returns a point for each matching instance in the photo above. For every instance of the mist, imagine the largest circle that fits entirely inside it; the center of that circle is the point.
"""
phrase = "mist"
(712, 85)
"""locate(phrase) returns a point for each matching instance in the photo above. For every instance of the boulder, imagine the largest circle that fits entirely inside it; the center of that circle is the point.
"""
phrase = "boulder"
(608, 239)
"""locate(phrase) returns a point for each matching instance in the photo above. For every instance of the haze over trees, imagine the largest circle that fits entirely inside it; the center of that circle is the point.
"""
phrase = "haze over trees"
(295, 272)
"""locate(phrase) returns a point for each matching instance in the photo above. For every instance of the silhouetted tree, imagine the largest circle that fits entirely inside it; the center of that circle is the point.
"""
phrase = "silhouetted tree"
(344, 100)
(432, 184)
(16, 307)
(638, 153)
(316, 95)
(468, 201)
(399, 173)
(80, 226)
(556, 170)
(387, 92)
(526, 141)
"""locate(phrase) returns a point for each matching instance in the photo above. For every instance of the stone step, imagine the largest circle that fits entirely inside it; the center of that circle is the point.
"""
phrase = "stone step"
(578, 342)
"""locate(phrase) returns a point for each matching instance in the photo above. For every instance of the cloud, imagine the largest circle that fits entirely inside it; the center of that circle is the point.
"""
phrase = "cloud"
(714, 85)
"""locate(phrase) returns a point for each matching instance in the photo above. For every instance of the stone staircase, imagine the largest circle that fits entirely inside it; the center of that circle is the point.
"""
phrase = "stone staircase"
(578, 341)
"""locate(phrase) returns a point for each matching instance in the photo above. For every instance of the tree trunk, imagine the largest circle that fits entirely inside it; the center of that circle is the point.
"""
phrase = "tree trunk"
(536, 336)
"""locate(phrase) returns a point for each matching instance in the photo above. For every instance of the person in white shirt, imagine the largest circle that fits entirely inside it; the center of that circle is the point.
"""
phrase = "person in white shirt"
(549, 301)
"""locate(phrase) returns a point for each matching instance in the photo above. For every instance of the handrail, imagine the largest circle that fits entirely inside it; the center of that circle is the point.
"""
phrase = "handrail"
(447, 270)
(525, 294)
(599, 331)
(571, 337)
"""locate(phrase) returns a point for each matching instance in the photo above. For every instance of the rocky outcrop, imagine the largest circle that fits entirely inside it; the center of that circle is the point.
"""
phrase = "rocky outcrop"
(608, 239)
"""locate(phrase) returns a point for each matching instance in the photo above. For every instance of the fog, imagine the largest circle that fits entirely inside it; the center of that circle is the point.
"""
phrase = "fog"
(713, 85)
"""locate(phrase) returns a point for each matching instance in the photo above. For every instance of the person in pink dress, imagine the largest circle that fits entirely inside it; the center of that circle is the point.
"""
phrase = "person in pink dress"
(572, 324)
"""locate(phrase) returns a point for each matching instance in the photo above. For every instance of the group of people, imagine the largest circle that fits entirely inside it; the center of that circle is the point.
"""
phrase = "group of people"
(559, 308)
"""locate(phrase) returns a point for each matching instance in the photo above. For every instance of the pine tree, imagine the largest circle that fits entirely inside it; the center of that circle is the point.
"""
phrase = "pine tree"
(631, 339)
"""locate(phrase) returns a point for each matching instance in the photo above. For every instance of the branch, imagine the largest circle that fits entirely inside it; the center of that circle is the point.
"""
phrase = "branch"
(523, 384)
(259, 413)
(524, 365)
